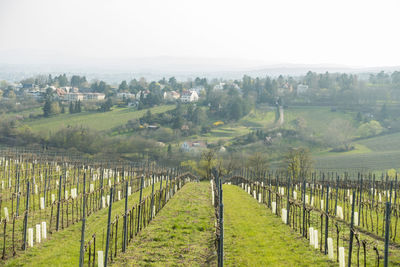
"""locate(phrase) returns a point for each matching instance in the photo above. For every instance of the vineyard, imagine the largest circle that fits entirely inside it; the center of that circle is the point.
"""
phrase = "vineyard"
(43, 199)
(66, 210)
(352, 221)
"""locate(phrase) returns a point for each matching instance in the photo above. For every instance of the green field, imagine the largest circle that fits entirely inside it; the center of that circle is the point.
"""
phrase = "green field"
(317, 118)
(101, 121)
(182, 234)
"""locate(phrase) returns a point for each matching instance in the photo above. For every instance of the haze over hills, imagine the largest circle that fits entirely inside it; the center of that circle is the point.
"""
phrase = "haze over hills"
(183, 68)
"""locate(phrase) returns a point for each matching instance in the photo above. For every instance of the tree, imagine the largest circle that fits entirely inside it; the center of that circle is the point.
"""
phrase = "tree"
(106, 106)
(298, 162)
(51, 108)
(169, 151)
(258, 163)
(47, 108)
(71, 108)
(339, 135)
(77, 81)
(207, 162)
(62, 80)
(123, 86)
(370, 128)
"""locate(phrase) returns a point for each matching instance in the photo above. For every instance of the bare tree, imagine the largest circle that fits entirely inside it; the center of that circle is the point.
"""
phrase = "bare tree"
(298, 162)
(258, 162)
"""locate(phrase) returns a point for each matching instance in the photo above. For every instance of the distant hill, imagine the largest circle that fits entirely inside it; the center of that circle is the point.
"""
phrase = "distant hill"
(115, 70)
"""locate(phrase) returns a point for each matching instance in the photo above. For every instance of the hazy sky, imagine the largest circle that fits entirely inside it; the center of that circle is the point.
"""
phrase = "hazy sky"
(355, 33)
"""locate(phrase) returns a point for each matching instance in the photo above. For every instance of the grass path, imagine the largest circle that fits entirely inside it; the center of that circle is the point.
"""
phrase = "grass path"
(256, 237)
(182, 234)
(62, 248)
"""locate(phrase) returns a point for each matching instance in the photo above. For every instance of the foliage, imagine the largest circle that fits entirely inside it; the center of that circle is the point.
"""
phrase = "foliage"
(370, 128)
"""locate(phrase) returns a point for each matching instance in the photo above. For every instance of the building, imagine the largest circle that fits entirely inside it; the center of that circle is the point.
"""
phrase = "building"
(60, 93)
(198, 89)
(195, 146)
(126, 95)
(73, 97)
(93, 96)
(70, 89)
(189, 96)
(171, 96)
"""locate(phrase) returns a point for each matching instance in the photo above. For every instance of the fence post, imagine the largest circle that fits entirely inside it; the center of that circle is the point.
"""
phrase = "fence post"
(108, 228)
(125, 218)
(58, 204)
(337, 194)
(18, 195)
(326, 218)
(159, 200)
(26, 214)
(287, 203)
(82, 251)
(387, 229)
(140, 202)
(351, 228)
(101, 188)
(152, 199)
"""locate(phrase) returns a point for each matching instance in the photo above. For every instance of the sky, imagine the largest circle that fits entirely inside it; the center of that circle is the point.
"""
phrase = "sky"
(344, 32)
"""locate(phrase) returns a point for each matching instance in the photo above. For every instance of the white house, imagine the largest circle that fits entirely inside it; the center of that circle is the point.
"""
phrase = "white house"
(198, 89)
(189, 96)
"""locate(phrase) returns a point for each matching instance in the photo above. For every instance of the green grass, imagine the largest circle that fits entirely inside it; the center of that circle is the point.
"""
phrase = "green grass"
(62, 248)
(317, 118)
(101, 121)
(25, 113)
(262, 117)
(182, 234)
(255, 237)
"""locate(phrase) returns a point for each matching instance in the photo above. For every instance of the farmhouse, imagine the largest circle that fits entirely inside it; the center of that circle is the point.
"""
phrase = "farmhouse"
(189, 96)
